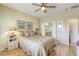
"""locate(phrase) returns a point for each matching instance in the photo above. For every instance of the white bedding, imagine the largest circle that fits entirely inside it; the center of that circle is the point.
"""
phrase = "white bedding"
(35, 45)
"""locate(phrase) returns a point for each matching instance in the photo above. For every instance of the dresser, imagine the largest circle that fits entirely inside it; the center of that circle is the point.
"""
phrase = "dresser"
(12, 42)
(12, 45)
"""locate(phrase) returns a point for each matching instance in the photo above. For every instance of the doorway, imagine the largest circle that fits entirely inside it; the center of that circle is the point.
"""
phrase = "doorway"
(48, 29)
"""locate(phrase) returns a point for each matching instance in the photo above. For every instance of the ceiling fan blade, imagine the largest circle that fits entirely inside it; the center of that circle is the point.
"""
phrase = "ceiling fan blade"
(37, 10)
(36, 4)
(75, 6)
(50, 6)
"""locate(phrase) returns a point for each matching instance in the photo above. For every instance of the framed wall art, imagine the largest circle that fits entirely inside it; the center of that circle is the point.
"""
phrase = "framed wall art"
(21, 24)
(29, 26)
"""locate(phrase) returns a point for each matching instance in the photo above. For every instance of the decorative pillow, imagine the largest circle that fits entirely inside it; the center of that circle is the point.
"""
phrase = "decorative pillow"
(32, 33)
(22, 33)
(27, 34)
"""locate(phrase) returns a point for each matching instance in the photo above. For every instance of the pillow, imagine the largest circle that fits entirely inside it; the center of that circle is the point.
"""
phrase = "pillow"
(32, 33)
(26, 33)
(22, 33)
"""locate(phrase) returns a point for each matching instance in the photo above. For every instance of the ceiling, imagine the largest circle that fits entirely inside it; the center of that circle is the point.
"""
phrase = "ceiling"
(30, 9)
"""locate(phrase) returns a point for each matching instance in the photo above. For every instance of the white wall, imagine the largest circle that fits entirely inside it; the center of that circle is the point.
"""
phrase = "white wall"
(63, 17)
(65, 32)
(9, 17)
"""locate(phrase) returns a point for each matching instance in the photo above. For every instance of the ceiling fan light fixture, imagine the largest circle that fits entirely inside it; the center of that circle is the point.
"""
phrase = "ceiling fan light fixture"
(43, 8)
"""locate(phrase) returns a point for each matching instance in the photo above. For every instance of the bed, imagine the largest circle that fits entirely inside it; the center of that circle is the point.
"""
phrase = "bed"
(37, 45)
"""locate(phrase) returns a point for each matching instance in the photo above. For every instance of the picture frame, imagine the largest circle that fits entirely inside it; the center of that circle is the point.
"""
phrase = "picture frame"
(29, 26)
(21, 24)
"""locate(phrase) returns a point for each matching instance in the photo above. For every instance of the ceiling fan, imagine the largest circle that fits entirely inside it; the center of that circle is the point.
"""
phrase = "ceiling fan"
(43, 7)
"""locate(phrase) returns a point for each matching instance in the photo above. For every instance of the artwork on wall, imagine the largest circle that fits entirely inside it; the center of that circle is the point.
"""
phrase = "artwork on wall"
(21, 24)
(29, 26)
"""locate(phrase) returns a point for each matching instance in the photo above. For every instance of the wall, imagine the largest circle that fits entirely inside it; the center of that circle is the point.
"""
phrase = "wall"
(59, 33)
(8, 18)
(63, 17)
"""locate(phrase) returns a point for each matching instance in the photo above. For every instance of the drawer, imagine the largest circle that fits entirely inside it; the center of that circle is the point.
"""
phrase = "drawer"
(10, 47)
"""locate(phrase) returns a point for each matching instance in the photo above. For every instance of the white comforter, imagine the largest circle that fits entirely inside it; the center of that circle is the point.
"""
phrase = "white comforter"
(34, 45)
